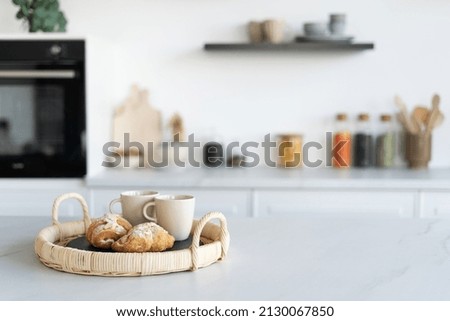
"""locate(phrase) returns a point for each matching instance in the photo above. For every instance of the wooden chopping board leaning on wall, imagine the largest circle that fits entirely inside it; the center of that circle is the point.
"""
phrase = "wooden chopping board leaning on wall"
(138, 118)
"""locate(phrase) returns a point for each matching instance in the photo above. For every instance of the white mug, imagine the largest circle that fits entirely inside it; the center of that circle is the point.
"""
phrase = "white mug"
(132, 203)
(174, 213)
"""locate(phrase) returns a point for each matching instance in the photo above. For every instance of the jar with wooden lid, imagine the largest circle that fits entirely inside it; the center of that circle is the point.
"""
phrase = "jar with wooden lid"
(342, 143)
(290, 150)
(385, 150)
(363, 142)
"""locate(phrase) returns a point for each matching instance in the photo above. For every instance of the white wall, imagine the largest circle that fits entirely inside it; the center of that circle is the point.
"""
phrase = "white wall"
(158, 44)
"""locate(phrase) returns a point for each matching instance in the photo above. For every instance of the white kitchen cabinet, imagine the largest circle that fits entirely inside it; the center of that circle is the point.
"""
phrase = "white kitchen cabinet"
(36, 197)
(334, 203)
(229, 202)
(436, 204)
(232, 203)
(249, 193)
(36, 203)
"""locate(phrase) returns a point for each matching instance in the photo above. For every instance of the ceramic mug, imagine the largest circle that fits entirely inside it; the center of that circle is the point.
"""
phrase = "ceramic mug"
(255, 32)
(273, 30)
(132, 203)
(174, 213)
(337, 24)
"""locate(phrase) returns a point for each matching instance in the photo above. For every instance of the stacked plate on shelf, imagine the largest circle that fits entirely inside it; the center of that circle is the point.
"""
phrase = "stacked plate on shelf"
(325, 38)
(333, 31)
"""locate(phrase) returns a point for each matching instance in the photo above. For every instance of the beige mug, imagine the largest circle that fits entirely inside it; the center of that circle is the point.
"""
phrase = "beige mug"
(132, 203)
(174, 213)
(255, 32)
(273, 30)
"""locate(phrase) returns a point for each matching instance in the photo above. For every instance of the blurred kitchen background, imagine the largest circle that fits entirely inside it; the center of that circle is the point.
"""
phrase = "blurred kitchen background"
(159, 45)
(244, 95)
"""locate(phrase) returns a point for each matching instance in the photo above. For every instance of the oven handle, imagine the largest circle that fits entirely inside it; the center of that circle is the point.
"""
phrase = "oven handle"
(23, 74)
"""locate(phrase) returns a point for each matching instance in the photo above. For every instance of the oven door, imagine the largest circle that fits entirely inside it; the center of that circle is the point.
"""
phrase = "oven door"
(42, 120)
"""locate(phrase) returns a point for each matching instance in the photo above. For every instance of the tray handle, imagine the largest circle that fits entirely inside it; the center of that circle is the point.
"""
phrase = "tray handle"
(224, 236)
(63, 197)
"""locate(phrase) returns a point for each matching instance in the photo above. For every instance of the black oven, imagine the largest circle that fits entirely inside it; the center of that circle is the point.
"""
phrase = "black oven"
(42, 108)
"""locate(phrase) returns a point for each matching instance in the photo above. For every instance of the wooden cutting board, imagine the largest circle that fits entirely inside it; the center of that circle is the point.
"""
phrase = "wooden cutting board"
(139, 119)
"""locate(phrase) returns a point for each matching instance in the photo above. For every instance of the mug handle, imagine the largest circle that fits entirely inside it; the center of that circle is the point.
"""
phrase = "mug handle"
(144, 212)
(113, 202)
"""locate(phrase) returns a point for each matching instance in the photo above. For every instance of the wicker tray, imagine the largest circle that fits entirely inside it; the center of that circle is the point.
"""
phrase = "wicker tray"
(50, 247)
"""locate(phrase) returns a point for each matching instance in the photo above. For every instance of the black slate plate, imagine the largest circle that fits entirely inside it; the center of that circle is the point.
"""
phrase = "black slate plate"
(81, 243)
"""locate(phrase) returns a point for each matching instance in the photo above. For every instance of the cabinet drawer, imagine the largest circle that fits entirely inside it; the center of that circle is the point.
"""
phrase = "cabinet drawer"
(355, 204)
(436, 204)
(230, 203)
(34, 202)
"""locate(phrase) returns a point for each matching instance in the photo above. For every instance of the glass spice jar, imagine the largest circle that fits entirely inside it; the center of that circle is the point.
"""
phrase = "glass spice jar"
(385, 143)
(290, 150)
(342, 143)
(363, 142)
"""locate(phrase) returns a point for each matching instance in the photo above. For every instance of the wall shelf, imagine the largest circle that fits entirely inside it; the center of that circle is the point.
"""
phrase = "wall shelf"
(291, 46)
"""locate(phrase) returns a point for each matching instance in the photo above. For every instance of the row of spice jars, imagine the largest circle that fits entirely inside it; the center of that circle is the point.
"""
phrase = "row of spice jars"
(364, 147)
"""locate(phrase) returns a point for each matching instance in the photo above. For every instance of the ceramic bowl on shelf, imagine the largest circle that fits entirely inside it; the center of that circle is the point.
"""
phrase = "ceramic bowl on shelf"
(315, 29)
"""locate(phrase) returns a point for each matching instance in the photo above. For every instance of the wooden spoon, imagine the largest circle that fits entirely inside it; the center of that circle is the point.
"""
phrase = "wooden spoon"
(410, 126)
(420, 116)
(422, 113)
(401, 119)
(438, 121)
(432, 119)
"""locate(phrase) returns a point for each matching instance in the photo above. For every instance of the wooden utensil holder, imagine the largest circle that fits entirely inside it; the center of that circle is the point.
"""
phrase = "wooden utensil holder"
(418, 150)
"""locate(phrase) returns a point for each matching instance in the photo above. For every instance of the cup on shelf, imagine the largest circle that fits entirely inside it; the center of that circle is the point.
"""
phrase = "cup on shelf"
(255, 32)
(174, 213)
(273, 30)
(337, 24)
(132, 203)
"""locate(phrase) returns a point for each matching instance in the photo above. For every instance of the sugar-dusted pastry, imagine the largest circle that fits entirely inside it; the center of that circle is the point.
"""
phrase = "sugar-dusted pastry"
(104, 231)
(145, 237)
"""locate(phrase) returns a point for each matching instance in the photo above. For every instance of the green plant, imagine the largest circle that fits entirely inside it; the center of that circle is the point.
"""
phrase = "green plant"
(41, 15)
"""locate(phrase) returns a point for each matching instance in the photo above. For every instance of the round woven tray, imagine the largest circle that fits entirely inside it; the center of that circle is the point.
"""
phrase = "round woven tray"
(51, 250)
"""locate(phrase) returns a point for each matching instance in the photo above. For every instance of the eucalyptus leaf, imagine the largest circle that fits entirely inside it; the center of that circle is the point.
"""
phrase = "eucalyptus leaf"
(19, 14)
(40, 12)
(41, 15)
(53, 15)
(25, 10)
(53, 6)
(34, 25)
(61, 28)
(62, 23)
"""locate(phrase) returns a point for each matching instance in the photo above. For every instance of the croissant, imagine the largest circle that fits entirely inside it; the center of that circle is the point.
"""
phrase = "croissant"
(104, 231)
(145, 237)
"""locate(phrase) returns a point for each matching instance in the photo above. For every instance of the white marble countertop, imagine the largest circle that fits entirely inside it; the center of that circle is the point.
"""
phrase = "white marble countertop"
(283, 259)
(263, 177)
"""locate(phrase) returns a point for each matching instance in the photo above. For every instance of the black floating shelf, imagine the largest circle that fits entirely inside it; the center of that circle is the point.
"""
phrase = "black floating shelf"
(292, 46)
